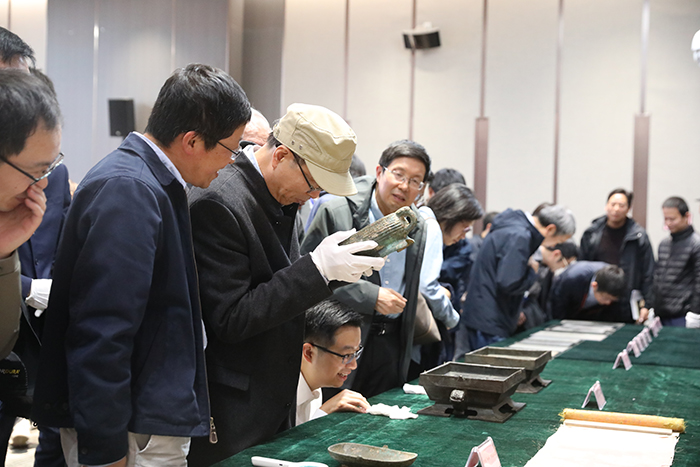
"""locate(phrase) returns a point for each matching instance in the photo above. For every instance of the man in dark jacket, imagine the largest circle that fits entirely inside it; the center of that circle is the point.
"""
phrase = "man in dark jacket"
(122, 362)
(585, 290)
(677, 275)
(255, 285)
(388, 300)
(617, 239)
(504, 270)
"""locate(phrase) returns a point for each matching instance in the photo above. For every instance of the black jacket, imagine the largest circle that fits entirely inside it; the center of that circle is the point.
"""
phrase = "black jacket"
(636, 258)
(677, 275)
(255, 288)
(570, 289)
(501, 274)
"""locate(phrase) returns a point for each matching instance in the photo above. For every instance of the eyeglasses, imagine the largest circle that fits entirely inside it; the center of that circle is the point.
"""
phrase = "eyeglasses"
(235, 153)
(401, 178)
(312, 189)
(347, 358)
(56, 162)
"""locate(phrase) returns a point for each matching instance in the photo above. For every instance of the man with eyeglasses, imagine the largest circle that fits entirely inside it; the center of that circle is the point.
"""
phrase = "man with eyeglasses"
(122, 366)
(387, 301)
(255, 285)
(331, 352)
(30, 138)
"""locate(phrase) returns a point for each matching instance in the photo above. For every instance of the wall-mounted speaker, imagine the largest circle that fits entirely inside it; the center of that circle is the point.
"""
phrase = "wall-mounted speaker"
(422, 37)
(121, 117)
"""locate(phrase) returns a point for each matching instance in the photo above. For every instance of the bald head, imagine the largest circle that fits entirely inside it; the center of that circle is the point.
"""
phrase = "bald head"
(257, 130)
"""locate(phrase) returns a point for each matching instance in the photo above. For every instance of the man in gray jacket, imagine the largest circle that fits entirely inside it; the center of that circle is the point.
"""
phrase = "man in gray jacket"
(388, 300)
(676, 288)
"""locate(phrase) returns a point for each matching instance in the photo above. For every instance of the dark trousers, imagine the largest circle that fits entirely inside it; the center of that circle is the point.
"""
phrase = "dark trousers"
(478, 339)
(378, 369)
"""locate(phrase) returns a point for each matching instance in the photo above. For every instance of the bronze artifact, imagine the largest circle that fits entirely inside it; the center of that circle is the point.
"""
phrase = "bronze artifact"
(532, 361)
(362, 455)
(390, 232)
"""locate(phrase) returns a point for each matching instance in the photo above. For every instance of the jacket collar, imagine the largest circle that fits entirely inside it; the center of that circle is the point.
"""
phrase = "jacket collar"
(140, 148)
(259, 187)
(683, 234)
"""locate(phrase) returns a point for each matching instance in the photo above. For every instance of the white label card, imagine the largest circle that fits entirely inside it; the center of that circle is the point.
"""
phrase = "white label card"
(597, 392)
(484, 454)
(654, 329)
(625, 358)
(633, 346)
(640, 342)
(647, 335)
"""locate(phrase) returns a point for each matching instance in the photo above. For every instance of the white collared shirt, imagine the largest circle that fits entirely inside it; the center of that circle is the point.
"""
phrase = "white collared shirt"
(308, 402)
(164, 159)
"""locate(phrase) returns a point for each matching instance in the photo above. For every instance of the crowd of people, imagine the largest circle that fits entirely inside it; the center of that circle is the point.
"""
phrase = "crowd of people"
(181, 306)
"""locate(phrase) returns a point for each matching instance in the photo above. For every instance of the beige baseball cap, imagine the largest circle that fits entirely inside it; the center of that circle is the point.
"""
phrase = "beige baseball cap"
(324, 140)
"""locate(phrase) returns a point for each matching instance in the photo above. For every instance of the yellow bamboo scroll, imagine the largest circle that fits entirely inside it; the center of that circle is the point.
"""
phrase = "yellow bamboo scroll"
(675, 424)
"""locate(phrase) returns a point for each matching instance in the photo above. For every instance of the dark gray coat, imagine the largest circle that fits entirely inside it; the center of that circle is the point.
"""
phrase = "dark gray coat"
(255, 288)
(344, 214)
(677, 275)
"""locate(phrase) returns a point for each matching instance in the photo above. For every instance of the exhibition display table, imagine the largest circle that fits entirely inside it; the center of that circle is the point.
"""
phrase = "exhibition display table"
(664, 380)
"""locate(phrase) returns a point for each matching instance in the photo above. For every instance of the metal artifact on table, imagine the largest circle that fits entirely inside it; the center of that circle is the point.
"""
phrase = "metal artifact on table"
(532, 361)
(363, 455)
(390, 232)
(478, 392)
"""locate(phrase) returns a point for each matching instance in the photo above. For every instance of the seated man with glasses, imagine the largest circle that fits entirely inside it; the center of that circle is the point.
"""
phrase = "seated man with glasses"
(387, 301)
(331, 351)
(255, 285)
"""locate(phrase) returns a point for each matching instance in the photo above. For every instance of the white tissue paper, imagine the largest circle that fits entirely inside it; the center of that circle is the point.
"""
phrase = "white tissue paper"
(414, 389)
(393, 411)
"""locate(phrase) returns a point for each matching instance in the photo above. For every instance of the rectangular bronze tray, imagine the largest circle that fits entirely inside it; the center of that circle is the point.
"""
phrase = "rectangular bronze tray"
(532, 361)
(480, 392)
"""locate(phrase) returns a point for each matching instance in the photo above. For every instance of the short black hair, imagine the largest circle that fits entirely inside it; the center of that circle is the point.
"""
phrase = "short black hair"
(12, 46)
(488, 218)
(678, 203)
(444, 177)
(198, 98)
(406, 148)
(611, 280)
(25, 103)
(568, 249)
(453, 204)
(325, 318)
(621, 191)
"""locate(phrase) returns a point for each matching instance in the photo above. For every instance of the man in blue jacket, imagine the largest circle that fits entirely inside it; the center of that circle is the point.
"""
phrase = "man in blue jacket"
(504, 270)
(122, 365)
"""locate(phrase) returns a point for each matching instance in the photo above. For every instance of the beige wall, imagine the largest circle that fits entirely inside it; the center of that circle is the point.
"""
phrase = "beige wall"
(600, 91)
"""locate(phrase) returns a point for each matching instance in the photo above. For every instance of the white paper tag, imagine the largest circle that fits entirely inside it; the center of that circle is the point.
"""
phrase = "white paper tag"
(658, 323)
(640, 342)
(654, 329)
(647, 335)
(484, 454)
(634, 347)
(625, 358)
(597, 392)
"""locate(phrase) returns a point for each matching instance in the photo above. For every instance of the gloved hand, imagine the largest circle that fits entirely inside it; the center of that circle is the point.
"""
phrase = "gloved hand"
(39, 295)
(338, 263)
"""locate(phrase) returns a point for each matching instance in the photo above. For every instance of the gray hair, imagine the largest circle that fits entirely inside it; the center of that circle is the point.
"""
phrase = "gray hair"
(560, 216)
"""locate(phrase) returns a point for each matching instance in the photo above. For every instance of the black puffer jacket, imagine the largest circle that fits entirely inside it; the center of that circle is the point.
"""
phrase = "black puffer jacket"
(677, 275)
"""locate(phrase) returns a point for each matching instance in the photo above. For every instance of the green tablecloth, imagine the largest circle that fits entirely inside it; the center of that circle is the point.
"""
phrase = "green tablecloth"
(648, 389)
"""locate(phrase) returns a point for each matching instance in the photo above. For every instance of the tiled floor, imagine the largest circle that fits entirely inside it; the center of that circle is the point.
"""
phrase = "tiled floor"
(23, 457)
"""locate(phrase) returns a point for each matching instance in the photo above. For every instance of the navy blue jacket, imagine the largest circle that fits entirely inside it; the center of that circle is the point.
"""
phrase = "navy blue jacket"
(501, 274)
(123, 344)
(570, 290)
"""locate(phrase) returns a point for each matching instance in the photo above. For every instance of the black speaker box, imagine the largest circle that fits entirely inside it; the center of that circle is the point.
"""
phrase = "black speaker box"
(121, 117)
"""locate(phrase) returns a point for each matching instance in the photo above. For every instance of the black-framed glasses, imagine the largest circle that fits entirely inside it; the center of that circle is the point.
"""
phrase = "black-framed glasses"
(347, 358)
(234, 154)
(401, 178)
(56, 162)
(312, 189)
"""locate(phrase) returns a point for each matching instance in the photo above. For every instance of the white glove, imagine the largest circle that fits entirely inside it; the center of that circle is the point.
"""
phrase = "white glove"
(692, 320)
(39, 295)
(338, 263)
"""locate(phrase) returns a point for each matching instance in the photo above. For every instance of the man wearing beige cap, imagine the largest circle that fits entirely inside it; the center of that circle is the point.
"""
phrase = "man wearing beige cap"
(254, 284)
